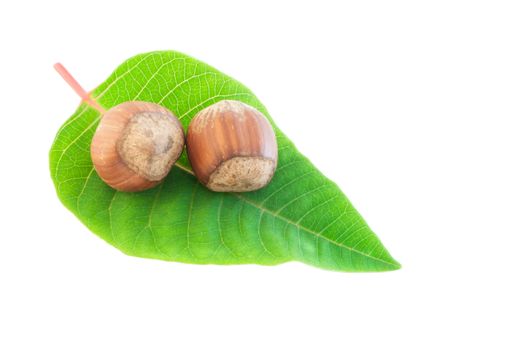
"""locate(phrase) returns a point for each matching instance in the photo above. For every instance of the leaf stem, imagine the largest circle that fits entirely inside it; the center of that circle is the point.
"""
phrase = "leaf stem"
(79, 90)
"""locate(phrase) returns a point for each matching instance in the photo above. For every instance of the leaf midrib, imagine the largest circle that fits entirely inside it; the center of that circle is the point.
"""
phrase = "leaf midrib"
(289, 222)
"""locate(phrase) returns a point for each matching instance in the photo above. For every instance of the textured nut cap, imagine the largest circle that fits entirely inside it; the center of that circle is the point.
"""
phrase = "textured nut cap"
(136, 145)
(232, 147)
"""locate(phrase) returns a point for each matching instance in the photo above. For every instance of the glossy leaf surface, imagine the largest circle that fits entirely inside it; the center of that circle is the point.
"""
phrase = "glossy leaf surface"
(300, 215)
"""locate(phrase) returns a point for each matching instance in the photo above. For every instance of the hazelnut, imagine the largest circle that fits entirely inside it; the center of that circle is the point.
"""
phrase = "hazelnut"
(232, 147)
(135, 145)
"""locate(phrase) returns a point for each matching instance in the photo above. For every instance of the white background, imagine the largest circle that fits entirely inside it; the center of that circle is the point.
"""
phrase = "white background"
(417, 109)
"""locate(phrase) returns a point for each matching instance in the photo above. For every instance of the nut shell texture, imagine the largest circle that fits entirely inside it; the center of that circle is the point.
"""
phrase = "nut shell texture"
(135, 145)
(232, 147)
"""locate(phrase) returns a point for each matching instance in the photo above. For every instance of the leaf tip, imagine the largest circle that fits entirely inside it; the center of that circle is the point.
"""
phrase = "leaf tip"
(391, 265)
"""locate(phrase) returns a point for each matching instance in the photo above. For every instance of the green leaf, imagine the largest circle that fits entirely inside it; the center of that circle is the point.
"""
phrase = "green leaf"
(300, 215)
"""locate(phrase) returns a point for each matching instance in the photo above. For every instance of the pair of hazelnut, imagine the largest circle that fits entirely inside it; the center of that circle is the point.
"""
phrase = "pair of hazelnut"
(231, 146)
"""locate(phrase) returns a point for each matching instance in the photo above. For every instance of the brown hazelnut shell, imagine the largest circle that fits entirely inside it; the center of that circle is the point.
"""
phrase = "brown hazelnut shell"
(117, 143)
(232, 147)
